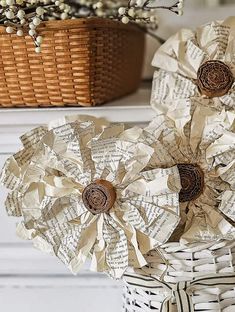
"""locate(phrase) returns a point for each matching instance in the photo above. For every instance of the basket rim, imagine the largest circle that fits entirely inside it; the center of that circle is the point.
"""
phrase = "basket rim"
(85, 23)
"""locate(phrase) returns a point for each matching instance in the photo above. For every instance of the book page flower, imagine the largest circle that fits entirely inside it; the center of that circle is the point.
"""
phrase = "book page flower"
(204, 154)
(196, 66)
(81, 192)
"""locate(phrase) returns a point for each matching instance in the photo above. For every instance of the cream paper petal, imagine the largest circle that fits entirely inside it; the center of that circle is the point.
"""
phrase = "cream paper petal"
(70, 140)
(49, 160)
(157, 125)
(137, 260)
(135, 246)
(168, 86)
(213, 39)
(199, 125)
(13, 204)
(181, 54)
(227, 204)
(160, 157)
(230, 51)
(11, 174)
(105, 156)
(62, 210)
(116, 250)
(26, 234)
(118, 155)
(98, 257)
(215, 126)
(70, 243)
(98, 260)
(99, 253)
(206, 224)
(177, 151)
(229, 98)
(156, 198)
(133, 134)
(227, 174)
(156, 182)
(33, 137)
(136, 156)
(83, 247)
(207, 125)
(217, 151)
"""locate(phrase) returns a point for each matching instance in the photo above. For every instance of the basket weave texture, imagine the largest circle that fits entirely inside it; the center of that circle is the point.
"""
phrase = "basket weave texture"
(83, 62)
(198, 279)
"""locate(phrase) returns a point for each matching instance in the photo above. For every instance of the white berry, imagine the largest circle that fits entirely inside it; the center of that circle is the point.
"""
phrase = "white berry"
(131, 12)
(10, 15)
(20, 32)
(64, 16)
(3, 3)
(39, 39)
(180, 5)
(36, 21)
(139, 3)
(9, 30)
(9, 2)
(180, 12)
(32, 32)
(32, 26)
(40, 11)
(99, 5)
(122, 10)
(125, 20)
(21, 14)
(38, 49)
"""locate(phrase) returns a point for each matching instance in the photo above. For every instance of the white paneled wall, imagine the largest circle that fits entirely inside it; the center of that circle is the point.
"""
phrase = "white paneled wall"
(31, 281)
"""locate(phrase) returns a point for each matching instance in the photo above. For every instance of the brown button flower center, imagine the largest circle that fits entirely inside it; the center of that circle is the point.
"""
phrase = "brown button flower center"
(192, 181)
(99, 196)
(214, 78)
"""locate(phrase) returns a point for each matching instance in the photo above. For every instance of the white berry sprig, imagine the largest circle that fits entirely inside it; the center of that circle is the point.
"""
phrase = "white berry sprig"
(23, 17)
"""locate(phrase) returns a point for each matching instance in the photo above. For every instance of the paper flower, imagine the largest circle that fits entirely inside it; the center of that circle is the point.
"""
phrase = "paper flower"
(82, 192)
(196, 66)
(204, 154)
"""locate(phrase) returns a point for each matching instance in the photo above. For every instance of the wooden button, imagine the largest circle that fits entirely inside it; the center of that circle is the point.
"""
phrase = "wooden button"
(214, 79)
(192, 181)
(99, 196)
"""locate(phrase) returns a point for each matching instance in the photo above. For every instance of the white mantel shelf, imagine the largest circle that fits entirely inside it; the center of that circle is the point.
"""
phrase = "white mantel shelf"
(134, 108)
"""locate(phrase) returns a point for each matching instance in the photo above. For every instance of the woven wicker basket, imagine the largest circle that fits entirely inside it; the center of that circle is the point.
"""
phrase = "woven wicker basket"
(83, 62)
(198, 279)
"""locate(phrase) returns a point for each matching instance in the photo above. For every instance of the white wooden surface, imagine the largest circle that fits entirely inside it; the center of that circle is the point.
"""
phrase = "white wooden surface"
(31, 281)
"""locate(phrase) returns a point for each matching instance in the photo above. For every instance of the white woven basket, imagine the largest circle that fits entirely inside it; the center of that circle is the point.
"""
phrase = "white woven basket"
(178, 279)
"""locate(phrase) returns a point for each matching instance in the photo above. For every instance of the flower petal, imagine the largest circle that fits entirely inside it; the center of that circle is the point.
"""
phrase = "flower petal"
(116, 250)
(168, 86)
(229, 98)
(181, 54)
(13, 204)
(227, 204)
(206, 224)
(213, 38)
